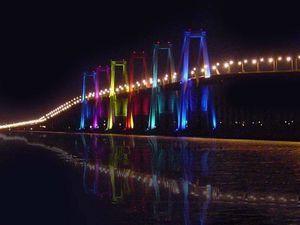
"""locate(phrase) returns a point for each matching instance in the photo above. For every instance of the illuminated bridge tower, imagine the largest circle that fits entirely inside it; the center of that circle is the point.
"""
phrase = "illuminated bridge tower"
(116, 106)
(99, 108)
(185, 87)
(131, 103)
(85, 111)
(156, 103)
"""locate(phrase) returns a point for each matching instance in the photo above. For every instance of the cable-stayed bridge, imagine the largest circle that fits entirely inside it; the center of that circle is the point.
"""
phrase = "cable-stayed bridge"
(197, 95)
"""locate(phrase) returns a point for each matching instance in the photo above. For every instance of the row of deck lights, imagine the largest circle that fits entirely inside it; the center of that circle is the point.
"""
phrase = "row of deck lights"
(143, 84)
(293, 64)
(63, 107)
(47, 116)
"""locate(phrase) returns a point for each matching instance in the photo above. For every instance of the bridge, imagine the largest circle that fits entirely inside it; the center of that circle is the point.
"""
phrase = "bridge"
(186, 98)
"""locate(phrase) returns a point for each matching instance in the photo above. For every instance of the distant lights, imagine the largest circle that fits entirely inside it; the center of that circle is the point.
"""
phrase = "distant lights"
(245, 61)
(174, 75)
(254, 61)
(279, 58)
(270, 60)
(288, 59)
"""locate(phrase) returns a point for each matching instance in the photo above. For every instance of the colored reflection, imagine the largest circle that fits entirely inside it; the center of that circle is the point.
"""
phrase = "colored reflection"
(139, 176)
(177, 181)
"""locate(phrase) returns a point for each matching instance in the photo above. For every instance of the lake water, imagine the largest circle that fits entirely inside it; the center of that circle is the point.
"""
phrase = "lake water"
(58, 178)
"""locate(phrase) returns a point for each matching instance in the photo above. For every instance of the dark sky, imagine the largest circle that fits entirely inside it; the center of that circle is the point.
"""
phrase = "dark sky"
(45, 46)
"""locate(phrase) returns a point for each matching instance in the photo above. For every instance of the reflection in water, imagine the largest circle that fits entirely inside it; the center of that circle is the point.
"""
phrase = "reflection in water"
(182, 181)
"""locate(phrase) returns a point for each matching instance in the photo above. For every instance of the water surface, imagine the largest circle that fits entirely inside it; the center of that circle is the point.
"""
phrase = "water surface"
(57, 178)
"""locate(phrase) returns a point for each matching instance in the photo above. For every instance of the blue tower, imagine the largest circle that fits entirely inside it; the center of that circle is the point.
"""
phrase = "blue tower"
(85, 112)
(185, 92)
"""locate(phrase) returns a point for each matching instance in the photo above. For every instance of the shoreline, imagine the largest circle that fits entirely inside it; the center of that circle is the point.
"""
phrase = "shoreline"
(169, 137)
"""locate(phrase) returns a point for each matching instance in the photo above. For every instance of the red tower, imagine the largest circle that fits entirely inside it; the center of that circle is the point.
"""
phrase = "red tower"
(131, 100)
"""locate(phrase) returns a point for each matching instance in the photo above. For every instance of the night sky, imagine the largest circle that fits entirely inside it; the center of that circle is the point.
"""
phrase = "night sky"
(45, 46)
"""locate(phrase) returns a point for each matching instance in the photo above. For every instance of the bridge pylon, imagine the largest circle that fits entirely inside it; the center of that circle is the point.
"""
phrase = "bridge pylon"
(156, 103)
(98, 110)
(85, 112)
(114, 105)
(185, 88)
(133, 57)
